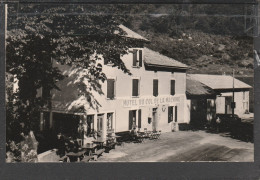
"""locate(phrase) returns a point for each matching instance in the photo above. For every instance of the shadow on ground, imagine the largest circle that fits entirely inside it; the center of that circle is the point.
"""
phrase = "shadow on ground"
(243, 131)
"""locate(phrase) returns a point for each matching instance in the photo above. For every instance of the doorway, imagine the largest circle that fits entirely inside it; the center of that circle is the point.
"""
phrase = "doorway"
(228, 109)
(66, 123)
(170, 114)
(100, 118)
(132, 119)
(155, 119)
(110, 121)
(90, 124)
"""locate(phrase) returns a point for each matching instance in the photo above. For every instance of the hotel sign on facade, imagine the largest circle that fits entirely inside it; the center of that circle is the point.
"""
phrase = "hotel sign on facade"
(150, 101)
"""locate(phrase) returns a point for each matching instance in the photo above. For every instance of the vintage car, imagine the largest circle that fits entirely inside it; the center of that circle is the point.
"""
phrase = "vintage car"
(227, 121)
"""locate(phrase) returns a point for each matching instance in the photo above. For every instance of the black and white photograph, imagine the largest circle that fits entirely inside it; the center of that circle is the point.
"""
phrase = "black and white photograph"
(89, 83)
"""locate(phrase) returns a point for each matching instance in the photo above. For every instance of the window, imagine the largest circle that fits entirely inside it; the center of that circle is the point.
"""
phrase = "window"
(109, 60)
(135, 90)
(110, 88)
(137, 58)
(172, 87)
(109, 121)
(155, 87)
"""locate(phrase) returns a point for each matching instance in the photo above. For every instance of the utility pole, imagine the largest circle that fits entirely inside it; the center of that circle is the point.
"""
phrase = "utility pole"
(233, 104)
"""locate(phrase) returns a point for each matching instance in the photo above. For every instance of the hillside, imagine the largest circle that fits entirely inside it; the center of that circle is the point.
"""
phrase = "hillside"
(209, 38)
(206, 53)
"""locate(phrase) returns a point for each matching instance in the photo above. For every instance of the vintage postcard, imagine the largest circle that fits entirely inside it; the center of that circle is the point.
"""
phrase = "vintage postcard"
(130, 82)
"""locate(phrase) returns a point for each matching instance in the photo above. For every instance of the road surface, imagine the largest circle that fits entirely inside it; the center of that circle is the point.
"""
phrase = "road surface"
(183, 146)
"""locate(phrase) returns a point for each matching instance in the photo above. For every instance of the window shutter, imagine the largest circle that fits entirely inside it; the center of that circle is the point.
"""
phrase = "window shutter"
(172, 87)
(140, 58)
(113, 88)
(130, 119)
(176, 108)
(105, 61)
(139, 118)
(98, 124)
(155, 87)
(110, 88)
(135, 87)
(101, 123)
(134, 57)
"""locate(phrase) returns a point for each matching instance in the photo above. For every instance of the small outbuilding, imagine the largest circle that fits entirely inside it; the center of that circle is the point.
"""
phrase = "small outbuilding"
(222, 85)
(201, 103)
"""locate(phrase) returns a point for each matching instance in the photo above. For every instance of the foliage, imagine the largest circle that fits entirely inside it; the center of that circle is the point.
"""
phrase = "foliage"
(24, 151)
(40, 35)
(13, 152)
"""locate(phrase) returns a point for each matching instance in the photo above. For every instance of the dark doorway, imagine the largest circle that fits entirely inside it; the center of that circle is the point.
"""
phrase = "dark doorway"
(228, 109)
(132, 119)
(90, 124)
(198, 114)
(155, 120)
(170, 114)
(67, 124)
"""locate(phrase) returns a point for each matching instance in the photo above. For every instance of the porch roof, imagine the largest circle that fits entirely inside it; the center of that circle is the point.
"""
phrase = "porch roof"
(219, 82)
(196, 88)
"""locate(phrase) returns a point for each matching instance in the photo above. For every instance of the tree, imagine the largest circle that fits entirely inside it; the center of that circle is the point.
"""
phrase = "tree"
(71, 35)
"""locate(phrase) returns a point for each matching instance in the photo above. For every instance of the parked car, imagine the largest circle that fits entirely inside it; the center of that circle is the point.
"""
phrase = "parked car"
(227, 121)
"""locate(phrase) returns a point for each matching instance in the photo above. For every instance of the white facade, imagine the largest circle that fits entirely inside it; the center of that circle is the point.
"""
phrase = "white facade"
(144, 107)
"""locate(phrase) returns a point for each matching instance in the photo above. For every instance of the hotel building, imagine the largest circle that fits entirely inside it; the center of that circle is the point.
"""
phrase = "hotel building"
(152, 97)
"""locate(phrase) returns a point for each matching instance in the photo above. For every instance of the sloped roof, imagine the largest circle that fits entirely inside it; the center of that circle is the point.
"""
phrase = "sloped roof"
(154, 58)
(219, 81)
(132, 34)
(196, 88)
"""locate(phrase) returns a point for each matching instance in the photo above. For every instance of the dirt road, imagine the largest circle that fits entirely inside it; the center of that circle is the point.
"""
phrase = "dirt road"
(183, 146)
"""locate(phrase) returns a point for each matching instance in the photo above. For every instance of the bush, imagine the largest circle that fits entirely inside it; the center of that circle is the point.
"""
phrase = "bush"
(24, 151)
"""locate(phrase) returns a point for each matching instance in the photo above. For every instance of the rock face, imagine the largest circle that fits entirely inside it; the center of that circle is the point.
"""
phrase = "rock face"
(225, 56)
(221, 47)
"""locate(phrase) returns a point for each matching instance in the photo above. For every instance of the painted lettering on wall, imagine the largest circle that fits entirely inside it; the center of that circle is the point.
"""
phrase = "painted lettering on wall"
(149, 101)
(132, 102)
